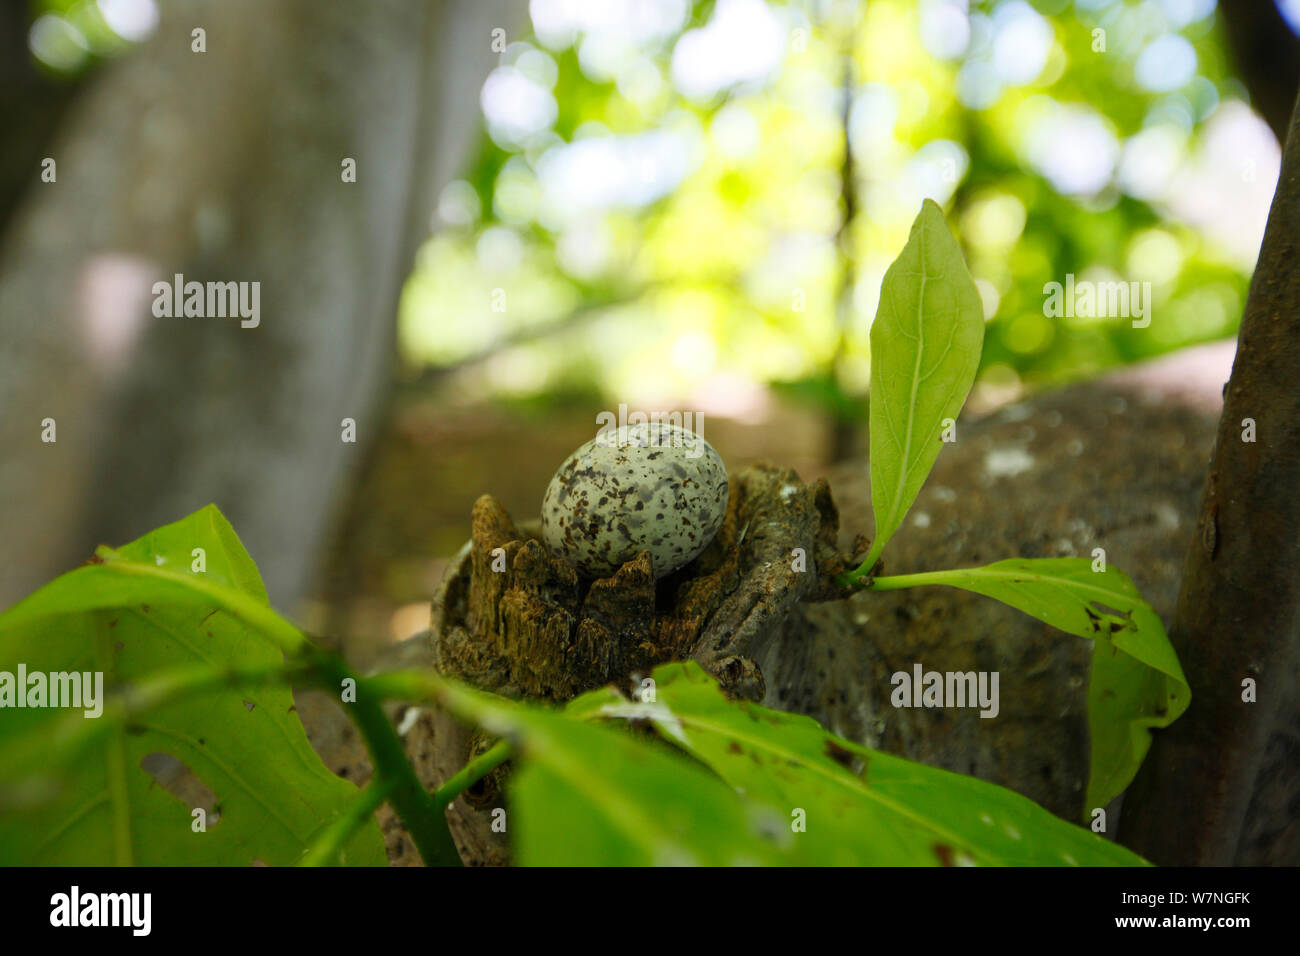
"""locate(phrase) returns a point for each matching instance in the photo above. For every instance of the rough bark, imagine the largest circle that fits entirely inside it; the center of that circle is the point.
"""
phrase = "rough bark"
(512, 619)
(1239, 610)
(225, 166)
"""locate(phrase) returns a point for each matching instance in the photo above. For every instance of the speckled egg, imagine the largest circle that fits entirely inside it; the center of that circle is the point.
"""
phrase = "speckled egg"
(649, 487)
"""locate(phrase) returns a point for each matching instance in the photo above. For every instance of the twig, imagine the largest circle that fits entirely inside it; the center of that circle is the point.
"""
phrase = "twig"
(324, 850)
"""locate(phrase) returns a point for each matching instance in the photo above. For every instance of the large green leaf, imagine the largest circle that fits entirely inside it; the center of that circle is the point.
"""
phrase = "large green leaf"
(861, 806)
(925, 350)
(586, 795)
(1136, 682)
(135, 613)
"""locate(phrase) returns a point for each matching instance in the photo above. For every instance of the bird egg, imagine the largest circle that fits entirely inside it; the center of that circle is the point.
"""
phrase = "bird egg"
(648, 487)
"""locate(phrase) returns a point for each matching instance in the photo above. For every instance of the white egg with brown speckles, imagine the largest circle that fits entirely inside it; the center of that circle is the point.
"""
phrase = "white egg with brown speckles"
(650, 487)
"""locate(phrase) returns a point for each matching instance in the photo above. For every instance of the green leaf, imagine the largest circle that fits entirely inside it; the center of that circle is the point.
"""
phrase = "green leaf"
(925, 350)
(140, 613)
(1137, 682)
(1126, 698)
(587, 795)
(861, 807)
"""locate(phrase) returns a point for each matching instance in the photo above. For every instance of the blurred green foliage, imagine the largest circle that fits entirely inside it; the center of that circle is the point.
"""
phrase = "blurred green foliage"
(656, 211)
(68, 37)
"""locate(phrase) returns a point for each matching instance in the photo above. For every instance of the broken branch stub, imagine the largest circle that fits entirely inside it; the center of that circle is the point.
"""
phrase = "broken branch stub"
(514, 619)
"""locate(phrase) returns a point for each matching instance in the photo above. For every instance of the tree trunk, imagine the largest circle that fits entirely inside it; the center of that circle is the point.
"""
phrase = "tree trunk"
(1238, 618)
(225, 165)
(1266, 55)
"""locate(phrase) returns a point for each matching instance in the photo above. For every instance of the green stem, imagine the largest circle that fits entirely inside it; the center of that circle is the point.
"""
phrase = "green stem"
(403, 685)
(855, 577)
(472, 773)
(414, 684)
(324, 850)
(422, 685)
(425, 821)
(896, 582)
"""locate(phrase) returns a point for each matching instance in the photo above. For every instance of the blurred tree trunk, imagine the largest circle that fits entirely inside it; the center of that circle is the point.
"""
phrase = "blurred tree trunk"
(1267, 55)
(225, 165)
(1230, 761)
(32, 105)
(844, 430)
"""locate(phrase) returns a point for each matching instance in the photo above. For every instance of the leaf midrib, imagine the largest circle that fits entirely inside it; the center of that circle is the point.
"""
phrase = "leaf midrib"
(1046, 579)
(906, 457)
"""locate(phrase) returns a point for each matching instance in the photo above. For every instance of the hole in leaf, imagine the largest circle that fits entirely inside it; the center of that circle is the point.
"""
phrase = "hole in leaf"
(1120, 620)
(182, 783)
